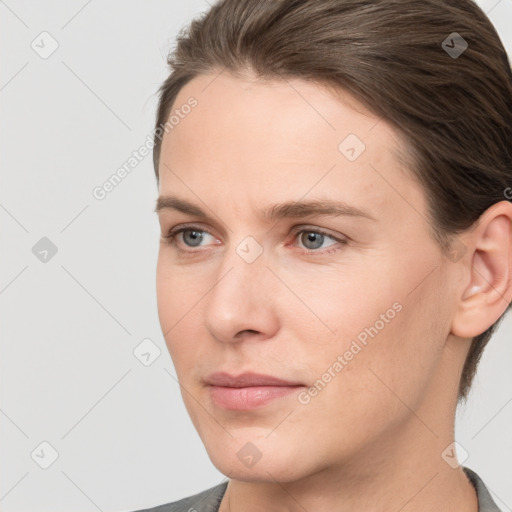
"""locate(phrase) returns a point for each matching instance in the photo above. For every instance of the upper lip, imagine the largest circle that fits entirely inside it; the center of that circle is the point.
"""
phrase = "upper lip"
(248, 379)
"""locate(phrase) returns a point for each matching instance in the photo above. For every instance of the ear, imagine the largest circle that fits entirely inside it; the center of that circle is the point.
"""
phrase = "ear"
(487, 286)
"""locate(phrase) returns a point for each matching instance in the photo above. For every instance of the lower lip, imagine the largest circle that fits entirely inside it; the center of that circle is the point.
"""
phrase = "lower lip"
(245, 399)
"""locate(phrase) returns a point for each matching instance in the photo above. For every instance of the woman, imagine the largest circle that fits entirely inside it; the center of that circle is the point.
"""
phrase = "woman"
(335, 252)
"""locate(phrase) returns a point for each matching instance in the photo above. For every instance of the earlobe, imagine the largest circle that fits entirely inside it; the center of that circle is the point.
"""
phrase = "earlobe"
(488, 289)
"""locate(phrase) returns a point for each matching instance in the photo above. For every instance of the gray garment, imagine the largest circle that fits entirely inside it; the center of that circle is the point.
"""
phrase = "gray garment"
(485, 501)
(209, 500)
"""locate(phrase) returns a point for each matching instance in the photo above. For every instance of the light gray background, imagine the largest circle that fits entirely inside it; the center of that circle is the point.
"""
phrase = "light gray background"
(69, 326)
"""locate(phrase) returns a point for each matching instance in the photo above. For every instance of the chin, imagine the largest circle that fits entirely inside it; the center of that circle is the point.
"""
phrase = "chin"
(254, 459)
(260, 472)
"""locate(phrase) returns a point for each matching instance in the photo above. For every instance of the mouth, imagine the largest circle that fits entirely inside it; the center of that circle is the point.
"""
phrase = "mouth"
(248, 390)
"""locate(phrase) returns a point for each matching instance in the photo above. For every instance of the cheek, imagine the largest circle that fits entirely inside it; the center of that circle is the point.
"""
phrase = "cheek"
(177, 298)
(178, 291)
(399, 358)
(165, 297)
(371, 332)
(365, 398)
(335, 305)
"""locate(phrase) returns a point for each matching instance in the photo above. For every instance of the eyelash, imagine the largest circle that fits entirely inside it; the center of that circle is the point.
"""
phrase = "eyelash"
(173, 233)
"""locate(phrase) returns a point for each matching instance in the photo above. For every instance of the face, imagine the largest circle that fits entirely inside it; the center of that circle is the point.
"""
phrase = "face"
(346, 305)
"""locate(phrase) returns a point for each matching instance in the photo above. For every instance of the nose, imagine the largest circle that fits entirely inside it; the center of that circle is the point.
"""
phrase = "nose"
(242, 303)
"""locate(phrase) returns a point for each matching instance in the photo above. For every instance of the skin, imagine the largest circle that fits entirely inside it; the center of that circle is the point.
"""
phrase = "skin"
(372, 438)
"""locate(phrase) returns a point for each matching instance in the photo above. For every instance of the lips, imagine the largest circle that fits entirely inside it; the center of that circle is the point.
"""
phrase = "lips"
(248, 379)
(248, 390)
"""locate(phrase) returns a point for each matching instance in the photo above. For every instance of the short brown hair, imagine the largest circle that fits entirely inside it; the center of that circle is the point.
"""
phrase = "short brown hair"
(453, 111)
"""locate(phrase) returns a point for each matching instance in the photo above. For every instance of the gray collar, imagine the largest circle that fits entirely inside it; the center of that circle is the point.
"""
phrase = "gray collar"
(210, 499)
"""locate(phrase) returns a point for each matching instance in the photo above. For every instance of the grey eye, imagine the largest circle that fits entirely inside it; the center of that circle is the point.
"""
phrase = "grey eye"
(312, 240)
(196, 237)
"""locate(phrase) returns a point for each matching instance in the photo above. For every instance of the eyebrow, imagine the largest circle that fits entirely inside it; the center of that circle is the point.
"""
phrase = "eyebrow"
(289, 209)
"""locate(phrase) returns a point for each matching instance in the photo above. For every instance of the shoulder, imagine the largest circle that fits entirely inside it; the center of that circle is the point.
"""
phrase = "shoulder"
(205, 501)
(485, 501)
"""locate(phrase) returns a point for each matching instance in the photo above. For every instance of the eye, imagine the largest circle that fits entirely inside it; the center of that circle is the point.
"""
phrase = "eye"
(314, 238)
(191, 236)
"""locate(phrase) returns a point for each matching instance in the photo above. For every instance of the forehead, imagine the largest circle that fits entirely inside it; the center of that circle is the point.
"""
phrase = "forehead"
(272, 141)
(254, 111)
